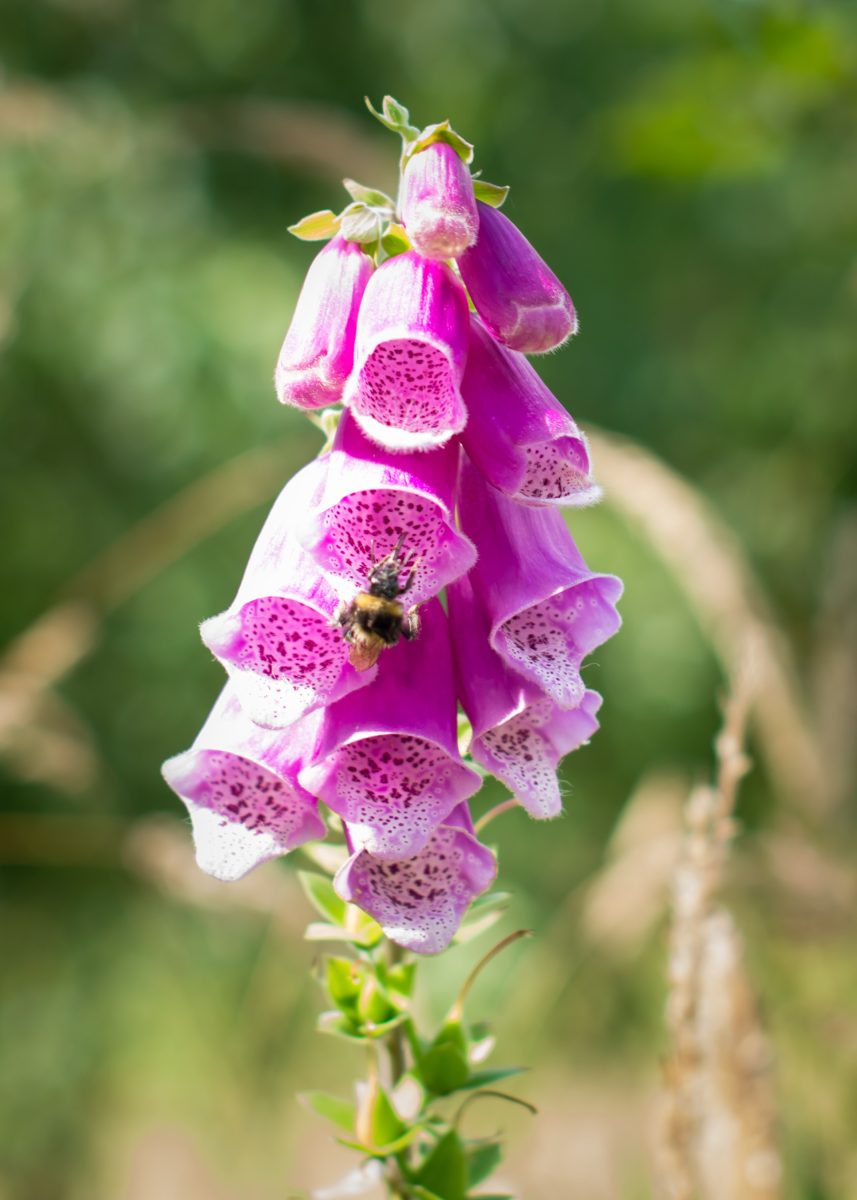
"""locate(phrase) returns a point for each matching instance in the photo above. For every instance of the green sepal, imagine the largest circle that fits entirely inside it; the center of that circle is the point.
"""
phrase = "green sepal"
(366, 195)
(400, 980)
(316, 227)
(490, 193)
(344, 979)
(338, 1026)
(394, 116)
(373, 1004)
(442, 132)
(319, 931)
(484, 912)
(482, 1158)
(444, 1171)
(362, 224)
(421, 1193)
(387, 1151)
(318, 889)
(395, 241)
(360, 930)
(341, 1112)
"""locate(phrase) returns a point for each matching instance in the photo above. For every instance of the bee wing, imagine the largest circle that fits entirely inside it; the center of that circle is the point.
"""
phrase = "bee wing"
(364, 654)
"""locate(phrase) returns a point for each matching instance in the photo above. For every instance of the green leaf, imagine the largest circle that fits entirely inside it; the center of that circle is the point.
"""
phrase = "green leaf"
(367, 195)
(490, 1075)
(340, 1112)
(400, 980)
(361, 223)
(317, 227)
(318, 889)
(490, 193)
(443, 1069)
(482, 1159)
(393, 1147)
(444, 1171)
(422, 1193)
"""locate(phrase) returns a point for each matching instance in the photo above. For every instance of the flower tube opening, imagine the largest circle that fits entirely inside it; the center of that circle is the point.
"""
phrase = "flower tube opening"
(240, 786)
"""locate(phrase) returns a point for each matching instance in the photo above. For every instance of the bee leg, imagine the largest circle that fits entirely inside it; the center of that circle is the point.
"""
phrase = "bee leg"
(409, 579)
(411, 624)
(339, 614)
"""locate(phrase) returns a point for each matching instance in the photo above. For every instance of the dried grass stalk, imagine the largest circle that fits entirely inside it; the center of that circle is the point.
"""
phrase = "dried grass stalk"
(717, 1135)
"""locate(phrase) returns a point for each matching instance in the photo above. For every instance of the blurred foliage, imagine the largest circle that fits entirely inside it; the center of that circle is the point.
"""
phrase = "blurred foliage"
(689, 171)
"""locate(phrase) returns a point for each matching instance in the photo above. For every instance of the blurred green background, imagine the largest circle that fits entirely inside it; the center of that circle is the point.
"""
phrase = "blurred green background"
(689, 170)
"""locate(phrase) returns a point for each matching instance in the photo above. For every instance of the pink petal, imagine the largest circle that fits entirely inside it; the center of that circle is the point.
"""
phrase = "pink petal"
(437, 203)
(387, 758)
(518, 434)
(318, 352)
(276, 640)
(370, 499)
(515, 292)
(410, 352)
(240, 786)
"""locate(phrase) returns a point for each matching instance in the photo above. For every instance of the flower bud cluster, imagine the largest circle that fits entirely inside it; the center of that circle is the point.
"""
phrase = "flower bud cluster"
(422, 563)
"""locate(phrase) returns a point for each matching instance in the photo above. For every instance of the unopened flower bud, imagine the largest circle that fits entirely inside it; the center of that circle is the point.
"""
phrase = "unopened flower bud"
(438, 207)
(318, 352)
(515, 292)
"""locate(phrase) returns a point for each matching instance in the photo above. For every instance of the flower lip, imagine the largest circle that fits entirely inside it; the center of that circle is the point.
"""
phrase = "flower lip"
(547, 609)
(519, 435)
(519, 733)
(317, 354)
(419, 901)
(410, 352)
(387, 760)
(240, 786)
(370, 499)
(276, 641)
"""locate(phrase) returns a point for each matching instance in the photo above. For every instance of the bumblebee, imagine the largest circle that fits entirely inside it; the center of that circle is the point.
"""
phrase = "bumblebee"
(375, 618)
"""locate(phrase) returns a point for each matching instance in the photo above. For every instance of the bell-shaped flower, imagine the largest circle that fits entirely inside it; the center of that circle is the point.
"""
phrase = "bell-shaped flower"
(437, 204)
(240, 785)
(519, 733)
(318, 351)
(419, 901)
(546, 609)
(371, 500)
(411, 347)
(387, 758)
(277, 640)
(518, 434)
(515, 292)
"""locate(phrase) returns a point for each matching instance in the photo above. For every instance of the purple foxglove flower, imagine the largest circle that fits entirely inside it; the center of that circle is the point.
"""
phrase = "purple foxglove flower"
(518, 434)
(546, 609)
(240, 786)
(437, 203)
(318, 353)
(519, 733)
(387, 759)
(370, 499)
(419, 901)
(409, 358)
(276, 640)
(515, 292)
